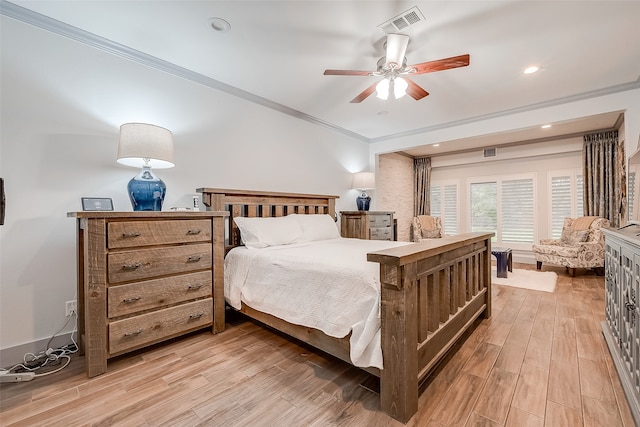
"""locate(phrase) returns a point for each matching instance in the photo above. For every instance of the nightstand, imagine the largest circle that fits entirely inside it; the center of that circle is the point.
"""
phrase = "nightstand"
(369, 225)
(145, 277)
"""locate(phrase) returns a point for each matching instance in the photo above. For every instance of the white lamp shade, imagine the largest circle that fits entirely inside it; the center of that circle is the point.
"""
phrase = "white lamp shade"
(140, 141)
(364, 181)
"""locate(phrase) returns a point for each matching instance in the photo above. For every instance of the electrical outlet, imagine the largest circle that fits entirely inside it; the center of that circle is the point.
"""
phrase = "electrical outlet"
(71, 307)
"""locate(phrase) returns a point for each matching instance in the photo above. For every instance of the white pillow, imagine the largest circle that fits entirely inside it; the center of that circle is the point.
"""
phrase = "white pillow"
(273, 231)
(317, 227)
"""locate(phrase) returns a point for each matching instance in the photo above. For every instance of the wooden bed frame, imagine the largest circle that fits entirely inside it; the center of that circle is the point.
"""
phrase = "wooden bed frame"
(431, 293)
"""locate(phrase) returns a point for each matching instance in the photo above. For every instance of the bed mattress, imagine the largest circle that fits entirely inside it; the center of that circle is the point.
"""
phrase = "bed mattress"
(328, 285)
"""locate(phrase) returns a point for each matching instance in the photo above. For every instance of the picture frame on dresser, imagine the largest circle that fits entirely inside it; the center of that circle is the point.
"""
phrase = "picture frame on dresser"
(94, 204)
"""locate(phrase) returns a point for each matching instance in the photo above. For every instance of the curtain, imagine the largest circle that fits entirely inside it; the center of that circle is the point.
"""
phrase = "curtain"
(605, 182)
(422, 178)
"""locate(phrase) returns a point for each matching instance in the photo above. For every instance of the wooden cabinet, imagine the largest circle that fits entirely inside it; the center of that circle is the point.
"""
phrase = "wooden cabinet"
(144, 277)
(370, 225)
(621, 327)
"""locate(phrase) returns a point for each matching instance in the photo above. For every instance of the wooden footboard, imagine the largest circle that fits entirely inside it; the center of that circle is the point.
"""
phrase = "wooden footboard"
(432, 292)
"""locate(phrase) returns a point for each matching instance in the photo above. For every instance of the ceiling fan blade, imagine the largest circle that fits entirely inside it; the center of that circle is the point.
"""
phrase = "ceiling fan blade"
(441, 64)
(415, 91)
(396, 48)
(364, 94)
(346, 73)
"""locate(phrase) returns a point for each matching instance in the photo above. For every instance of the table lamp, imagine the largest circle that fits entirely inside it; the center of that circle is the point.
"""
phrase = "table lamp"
(363, 181)
(144, 145)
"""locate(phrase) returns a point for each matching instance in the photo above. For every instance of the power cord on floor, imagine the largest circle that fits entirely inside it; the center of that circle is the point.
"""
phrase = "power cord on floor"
(49, 358)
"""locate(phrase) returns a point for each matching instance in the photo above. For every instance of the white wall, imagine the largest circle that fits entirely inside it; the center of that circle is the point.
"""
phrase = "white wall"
(60, 114)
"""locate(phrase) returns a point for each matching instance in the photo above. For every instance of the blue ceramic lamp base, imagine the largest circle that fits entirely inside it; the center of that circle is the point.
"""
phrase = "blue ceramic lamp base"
(146, 191)
(363, 201)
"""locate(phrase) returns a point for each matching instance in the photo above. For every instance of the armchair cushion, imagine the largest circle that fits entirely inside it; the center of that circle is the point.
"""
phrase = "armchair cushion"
(573, 237)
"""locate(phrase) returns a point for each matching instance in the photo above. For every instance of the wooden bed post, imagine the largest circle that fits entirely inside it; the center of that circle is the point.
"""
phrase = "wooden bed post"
(399, 335)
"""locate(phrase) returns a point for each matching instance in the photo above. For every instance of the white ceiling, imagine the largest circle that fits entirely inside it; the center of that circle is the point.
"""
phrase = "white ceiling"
(276, 52)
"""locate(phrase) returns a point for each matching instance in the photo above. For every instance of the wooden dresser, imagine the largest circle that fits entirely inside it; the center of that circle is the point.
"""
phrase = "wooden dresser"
(621, 327)
(144, 277)
(369, 225)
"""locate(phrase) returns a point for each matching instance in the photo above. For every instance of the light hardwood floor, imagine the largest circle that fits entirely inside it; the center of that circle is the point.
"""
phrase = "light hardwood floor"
(541, 360)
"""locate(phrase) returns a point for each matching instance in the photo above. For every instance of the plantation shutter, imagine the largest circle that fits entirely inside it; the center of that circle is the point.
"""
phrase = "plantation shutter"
(450, 217)
(517, 212)
(560, 203)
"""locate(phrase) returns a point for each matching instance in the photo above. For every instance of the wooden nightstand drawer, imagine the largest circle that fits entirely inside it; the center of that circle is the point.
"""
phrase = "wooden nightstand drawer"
(159, 325)
(379, 221)
(381, 233)
(128, 234)
(147, 263)
(152, 294)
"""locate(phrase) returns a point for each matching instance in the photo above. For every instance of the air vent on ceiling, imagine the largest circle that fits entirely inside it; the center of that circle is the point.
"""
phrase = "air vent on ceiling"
(490, 152)
(402, 21)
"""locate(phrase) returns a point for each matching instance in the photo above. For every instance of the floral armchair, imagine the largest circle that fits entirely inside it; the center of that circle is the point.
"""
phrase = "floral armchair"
(424, 227)
(580, 246)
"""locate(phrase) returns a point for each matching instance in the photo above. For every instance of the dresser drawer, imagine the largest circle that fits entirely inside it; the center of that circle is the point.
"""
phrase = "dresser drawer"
(151, 327)
(151, 294)
(127, 234)
(379, 221)
(381, 233)
(154, 262)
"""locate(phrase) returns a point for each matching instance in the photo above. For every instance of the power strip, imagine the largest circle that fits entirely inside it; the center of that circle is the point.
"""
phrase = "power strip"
(16, 377)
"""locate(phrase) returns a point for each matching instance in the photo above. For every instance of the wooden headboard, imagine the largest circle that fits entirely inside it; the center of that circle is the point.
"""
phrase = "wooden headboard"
(262, 204)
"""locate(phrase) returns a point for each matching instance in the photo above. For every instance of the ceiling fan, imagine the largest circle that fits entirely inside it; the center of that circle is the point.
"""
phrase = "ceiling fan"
(393, 68)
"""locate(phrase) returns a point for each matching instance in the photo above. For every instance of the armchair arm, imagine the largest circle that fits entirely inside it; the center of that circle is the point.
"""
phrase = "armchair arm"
(591, 254)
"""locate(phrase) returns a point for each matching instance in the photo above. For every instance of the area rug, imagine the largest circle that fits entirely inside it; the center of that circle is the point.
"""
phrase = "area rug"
(528, 279)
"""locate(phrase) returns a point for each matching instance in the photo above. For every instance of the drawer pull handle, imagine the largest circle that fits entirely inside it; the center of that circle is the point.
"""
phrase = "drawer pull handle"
(131, 267)
(195, 231)
(130, 235)
(195, 287)
(194, 258)
(134, 333)
(196, 315)
(130, 300)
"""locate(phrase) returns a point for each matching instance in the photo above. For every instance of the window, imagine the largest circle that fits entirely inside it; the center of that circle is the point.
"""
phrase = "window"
(504, 205)
(566, 198)
(443, 197)
(484, 207)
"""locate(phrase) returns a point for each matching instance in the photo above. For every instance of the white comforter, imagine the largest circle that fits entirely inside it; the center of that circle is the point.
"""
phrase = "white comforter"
(328, 285)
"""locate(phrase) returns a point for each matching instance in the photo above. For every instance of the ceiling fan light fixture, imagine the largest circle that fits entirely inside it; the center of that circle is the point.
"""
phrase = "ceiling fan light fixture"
(382, 89)
(396, 85)
(400, 86)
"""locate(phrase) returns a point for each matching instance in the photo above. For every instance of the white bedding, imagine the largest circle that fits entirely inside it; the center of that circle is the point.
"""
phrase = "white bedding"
(328, 285)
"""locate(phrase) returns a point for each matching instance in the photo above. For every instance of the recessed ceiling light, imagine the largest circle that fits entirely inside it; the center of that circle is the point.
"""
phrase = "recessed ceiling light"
(532, 69)
(219, 24)
(546, 126)
(436, 145)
